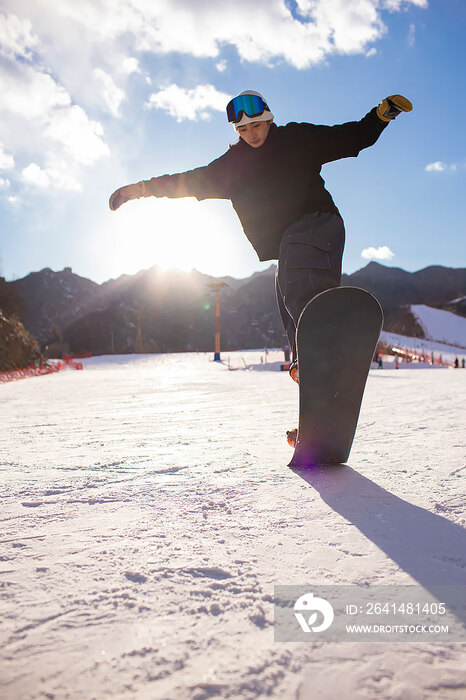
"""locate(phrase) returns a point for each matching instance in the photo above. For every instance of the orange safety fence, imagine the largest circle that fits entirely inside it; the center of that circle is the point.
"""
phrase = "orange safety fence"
(33, 371)
(70, 362)
(427, 357)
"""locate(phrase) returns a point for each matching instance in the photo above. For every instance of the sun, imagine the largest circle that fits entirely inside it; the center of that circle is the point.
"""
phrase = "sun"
(174, 234)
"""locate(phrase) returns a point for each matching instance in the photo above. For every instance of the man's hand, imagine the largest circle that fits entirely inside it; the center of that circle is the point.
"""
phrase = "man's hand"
(124, 194)
(391, 107)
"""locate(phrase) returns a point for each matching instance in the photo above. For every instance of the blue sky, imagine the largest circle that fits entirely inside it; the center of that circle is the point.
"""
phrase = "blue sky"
(100, 93)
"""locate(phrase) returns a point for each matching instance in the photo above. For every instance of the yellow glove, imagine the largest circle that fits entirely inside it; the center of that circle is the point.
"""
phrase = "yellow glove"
(391, 107)
(124, 194)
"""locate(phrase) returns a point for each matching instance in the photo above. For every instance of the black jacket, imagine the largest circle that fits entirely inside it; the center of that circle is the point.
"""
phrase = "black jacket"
(274, 185)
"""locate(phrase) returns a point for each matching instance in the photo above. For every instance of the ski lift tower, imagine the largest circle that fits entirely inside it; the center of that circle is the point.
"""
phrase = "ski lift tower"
(216, 287)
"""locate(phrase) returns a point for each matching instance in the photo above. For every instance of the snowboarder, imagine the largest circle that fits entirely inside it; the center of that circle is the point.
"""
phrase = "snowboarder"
(272, 177)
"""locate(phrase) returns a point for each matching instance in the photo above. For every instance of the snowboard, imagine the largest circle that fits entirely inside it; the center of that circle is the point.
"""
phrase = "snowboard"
(337, 334)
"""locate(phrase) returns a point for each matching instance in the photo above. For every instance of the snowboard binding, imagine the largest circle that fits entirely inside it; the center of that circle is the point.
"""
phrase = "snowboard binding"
(294, 372)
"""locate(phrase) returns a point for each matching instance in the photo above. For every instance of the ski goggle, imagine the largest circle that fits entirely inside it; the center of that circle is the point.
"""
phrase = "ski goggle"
(252, 105)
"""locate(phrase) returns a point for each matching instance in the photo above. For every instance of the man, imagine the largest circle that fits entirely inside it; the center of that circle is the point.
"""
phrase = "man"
(272, 177)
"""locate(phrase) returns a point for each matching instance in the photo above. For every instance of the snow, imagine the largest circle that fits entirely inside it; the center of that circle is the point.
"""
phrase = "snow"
(147, 512)
(441, 325)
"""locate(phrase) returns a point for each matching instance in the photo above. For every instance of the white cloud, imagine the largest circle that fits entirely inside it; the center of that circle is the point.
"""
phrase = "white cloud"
(6, 159)
(54, 176)
(79, 135)
(39, 120)
(437, 167)
(112, 95)
(383, 252)
(129, 65)
(371, 52)
(54, 112)
(396, 5)
(346, 27)
(44, 109)
(4, 183)
(34, 175)
(16, 37)
(31, 93)
(189, 104)
(412, 35)
(261, 31)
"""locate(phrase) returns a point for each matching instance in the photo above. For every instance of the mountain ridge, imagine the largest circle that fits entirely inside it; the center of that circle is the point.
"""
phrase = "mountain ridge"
(175, 310)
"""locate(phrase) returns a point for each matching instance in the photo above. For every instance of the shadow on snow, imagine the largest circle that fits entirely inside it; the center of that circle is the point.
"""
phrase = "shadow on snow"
(425, 545)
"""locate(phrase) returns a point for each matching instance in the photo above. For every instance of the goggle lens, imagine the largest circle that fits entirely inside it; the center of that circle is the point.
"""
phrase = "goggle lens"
(252, 105)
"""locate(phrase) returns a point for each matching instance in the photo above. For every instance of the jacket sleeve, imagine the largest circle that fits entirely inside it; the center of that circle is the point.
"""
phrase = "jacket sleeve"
(346, 140)
(212, 181)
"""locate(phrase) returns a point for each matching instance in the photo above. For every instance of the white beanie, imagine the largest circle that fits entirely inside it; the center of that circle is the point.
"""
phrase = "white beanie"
(264, 117)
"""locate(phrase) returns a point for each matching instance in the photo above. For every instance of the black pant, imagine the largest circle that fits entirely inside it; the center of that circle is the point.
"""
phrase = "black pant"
(309, 262)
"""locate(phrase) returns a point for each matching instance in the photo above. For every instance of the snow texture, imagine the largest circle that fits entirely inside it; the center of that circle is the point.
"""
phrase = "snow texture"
(147, 512)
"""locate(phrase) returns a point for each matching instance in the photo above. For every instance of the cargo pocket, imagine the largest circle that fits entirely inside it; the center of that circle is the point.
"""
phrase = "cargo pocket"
(308, 251)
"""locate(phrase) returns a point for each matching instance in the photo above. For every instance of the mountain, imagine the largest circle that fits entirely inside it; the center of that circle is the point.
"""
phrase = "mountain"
(397, 289)
(167, 311)
(18, 349)
(49, 301)
(434, 285)
(175, 311)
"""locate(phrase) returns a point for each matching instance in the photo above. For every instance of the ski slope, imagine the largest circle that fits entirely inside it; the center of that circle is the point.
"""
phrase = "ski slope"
(441, 325)
(445, 336)
(148, 512)
(422, 346)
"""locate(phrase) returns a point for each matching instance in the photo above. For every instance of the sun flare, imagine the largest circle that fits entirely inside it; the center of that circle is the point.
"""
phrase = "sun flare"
(179, 234)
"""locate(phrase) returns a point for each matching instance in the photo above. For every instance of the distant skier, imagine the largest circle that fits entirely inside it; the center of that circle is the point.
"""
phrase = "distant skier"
(272, 177)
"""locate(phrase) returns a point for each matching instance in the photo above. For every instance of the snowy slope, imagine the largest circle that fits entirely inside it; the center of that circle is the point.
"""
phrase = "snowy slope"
(440, 325)
(147, 512)
(420, 346)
